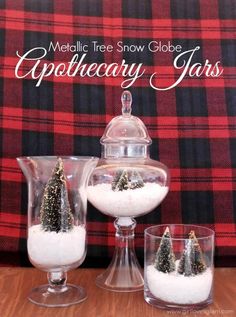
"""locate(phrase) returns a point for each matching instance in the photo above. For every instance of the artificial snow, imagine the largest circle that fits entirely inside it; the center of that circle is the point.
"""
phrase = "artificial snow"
(177, 288)
(126, 203)
(49, 248)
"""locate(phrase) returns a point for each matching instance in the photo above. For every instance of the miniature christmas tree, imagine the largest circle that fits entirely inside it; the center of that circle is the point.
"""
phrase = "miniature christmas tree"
(124, 180)
(192, 262)
(199, 264)
(165, 258)
(121, 181)
(185, 263)
(55, 212)
(136, 180)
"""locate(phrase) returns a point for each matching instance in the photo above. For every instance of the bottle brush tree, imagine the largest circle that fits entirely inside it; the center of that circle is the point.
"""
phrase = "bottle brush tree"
(136, 180)
(126, 179)
(191, 261)
(165, 258)
(55, 211)
(120, 181)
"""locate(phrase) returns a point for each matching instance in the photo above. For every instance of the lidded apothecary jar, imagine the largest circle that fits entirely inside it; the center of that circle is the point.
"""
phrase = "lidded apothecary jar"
(126, 184)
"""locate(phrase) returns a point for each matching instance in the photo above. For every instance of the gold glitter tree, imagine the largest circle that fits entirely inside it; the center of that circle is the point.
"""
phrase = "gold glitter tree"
(165, 258)
(192, 262)
(55, 211)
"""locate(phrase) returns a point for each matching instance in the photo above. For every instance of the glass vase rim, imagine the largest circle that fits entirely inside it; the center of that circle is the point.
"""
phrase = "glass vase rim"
(55, 157)
(211, 233)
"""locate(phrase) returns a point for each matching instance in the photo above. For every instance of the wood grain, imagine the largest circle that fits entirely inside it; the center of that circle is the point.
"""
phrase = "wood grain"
(15, 283)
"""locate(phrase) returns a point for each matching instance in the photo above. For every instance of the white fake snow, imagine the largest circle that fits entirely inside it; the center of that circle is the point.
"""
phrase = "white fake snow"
(131, 202)
(48, 248)
(177, 288)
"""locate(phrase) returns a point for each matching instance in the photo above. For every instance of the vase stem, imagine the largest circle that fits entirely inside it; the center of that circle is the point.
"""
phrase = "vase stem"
(57, 281)
(124, 272)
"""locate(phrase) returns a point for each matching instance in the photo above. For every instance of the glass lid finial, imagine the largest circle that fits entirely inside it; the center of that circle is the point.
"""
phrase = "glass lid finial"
(126, 100)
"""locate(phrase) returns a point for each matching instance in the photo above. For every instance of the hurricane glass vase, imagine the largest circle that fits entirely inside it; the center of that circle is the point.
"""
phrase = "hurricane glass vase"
(56, 241)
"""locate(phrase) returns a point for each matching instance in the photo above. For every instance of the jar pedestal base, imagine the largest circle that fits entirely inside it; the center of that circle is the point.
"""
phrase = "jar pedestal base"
(124, 273)
(69, 295)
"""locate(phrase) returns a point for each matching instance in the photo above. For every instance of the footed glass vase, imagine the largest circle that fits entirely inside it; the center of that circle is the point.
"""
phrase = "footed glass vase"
(57, 205)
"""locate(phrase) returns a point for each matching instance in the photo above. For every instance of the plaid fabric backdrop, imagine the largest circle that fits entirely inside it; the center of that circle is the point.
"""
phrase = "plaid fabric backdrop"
(192, 125)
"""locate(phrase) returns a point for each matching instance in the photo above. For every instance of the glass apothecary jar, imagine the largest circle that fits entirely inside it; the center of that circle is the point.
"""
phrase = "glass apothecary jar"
(126, 184)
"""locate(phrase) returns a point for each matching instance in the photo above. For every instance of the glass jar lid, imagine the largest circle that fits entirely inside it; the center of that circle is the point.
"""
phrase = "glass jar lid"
(125, 132)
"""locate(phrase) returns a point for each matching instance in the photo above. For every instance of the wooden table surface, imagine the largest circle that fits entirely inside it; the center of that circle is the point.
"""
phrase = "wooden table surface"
(15, 284)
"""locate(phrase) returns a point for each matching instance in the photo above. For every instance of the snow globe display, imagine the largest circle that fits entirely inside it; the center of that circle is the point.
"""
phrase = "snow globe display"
(126, 184)
(57, 204)
(179, 266)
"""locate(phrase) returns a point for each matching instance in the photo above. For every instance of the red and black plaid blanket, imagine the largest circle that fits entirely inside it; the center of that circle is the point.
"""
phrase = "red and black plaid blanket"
(193, 125)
